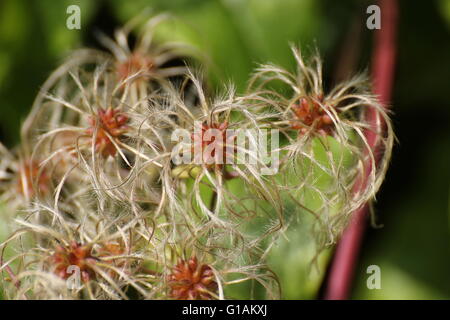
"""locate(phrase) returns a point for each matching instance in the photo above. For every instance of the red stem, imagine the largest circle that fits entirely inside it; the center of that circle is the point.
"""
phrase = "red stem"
(344, 261)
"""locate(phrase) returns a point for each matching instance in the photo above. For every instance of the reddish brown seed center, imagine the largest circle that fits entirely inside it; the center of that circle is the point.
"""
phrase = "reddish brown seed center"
(75, 255)
(110, 124)
(192, 281)
(209, 140)
(135, 63)
(310, 114)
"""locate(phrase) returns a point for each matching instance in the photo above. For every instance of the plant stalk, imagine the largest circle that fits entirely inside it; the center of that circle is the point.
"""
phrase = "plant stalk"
(343, 265)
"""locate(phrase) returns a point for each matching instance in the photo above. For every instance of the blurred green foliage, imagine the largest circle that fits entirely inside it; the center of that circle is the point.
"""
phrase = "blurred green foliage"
(33, 40)
(413, 249)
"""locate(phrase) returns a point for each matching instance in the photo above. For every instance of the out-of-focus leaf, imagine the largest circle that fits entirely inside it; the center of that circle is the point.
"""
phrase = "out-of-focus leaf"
(294, 260)
(14, 30)
(5, 232)
(420, 63)
(236, 34)
(444, 6)
(33, 39)
(268, 27)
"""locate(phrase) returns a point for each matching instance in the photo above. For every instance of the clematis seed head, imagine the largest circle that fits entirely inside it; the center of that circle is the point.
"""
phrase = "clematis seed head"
(112, 124)
(191, 280)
